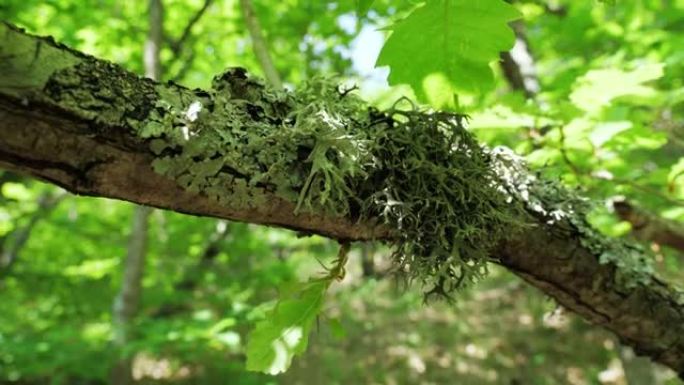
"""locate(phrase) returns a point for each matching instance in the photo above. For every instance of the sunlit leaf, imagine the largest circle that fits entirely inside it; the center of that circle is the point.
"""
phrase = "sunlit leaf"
(455, 39)
(285, 331)
(363, 6)
(598, 88)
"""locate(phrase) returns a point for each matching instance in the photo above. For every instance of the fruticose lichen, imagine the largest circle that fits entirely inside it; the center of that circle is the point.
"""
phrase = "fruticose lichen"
(449, 199)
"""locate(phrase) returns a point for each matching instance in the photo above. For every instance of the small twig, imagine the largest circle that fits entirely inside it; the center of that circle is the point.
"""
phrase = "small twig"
(259, 44)
(338, 271)
(346, 91)
(177, 45)
(185, 67)
(564, 153)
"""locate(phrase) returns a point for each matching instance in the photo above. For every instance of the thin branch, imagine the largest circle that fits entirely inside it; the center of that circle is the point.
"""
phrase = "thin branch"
(185, 67)
(651, 228)
(190, 278)
(177, 45)
(18, 239)
(259, 44)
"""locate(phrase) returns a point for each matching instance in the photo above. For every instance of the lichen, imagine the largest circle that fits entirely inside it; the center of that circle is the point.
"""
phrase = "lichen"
(554, 204)
(26, 62)
(449, 200)
(435, 184)
(320, 147)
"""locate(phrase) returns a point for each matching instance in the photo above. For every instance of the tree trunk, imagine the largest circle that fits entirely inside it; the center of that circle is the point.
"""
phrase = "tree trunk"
(127, 301)
(126, 304)
(74, 121)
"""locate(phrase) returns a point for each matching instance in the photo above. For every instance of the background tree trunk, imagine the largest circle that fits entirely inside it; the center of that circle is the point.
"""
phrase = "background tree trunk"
(127, 302)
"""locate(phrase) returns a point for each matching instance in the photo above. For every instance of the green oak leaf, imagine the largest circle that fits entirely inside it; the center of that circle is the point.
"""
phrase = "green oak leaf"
(285, 331)
(447, 45)
(363, 6)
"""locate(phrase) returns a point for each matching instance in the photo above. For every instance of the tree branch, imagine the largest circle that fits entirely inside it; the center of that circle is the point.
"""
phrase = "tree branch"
(9, 253)
(177, 45)
(74, 120)
(651, 228)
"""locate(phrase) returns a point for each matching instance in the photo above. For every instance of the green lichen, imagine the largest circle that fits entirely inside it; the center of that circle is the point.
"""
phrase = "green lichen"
(555, 204)
(436, 185)
(449, 199)
(27, 62)
(321, 148)
(243, 140)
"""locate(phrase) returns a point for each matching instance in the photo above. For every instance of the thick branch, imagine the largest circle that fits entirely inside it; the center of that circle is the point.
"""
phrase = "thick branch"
(72, 120)
(647, 317)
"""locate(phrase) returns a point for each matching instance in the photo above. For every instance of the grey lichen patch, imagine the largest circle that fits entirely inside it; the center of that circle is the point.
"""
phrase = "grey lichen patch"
(26, 62)
(567, 210)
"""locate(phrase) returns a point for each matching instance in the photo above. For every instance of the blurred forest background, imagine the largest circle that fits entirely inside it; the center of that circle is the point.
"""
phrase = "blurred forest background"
(592, 93)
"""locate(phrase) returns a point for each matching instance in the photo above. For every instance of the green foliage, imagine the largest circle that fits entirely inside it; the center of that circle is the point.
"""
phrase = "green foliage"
(597, 89)
(363, 6)
(285, 330)
(446, 46)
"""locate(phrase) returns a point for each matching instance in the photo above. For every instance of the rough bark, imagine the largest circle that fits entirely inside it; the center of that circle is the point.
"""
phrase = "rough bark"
(79, 134)
(646, 317)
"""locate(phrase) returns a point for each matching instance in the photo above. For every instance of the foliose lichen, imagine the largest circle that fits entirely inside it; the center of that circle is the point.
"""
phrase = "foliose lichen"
(449, 199)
